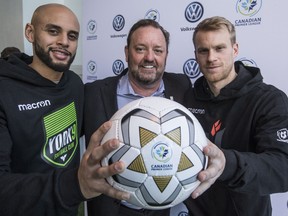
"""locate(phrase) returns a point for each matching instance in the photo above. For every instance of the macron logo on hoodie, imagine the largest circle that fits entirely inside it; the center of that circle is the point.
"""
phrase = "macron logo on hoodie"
(36, 105)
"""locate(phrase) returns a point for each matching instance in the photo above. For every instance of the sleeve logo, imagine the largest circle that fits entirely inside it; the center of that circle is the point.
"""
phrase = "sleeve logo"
(282, 135)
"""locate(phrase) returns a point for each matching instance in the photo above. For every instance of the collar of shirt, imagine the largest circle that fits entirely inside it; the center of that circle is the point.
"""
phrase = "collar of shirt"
(126, 94)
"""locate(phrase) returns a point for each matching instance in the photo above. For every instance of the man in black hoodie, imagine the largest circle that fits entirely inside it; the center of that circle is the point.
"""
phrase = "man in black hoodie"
(41, 112)
(243, 116)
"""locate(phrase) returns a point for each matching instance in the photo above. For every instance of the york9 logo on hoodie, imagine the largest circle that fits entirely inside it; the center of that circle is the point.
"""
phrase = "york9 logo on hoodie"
(61, 136)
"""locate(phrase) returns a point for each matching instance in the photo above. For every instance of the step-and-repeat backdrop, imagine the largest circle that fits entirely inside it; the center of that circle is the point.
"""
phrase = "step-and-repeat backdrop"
(261, 28)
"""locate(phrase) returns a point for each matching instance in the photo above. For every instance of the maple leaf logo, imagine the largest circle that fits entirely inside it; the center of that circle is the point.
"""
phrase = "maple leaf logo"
(162, 152)
(249, 5)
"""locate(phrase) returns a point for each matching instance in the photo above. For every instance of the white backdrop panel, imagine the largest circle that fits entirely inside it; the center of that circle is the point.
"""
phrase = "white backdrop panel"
(261, 34)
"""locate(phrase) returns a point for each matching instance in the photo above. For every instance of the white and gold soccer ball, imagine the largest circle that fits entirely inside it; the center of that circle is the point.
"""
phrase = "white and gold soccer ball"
(161, 144)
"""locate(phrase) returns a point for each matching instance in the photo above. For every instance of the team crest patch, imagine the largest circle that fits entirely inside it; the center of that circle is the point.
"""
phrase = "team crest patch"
(61, 136)
(282, 135)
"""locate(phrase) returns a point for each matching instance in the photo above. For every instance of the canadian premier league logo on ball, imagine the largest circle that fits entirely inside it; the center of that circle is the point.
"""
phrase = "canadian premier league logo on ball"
(161, 143)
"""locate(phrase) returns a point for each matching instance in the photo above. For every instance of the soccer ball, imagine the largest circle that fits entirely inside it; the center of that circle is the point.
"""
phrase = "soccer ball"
(161, 144)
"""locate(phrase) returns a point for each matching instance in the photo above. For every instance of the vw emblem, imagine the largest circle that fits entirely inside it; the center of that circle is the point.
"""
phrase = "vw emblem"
(191, 68)
(194, 12)
(118, 23)
(117, 67)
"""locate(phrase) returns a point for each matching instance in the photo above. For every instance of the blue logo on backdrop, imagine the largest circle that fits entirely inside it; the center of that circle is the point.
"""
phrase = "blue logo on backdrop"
(91, 29)
(92, 26)
(194, 12)
(117, 67)
(191, 68)
(153, 15)
(248, 62)
(118, 23)
(92, 67)
(248, 7)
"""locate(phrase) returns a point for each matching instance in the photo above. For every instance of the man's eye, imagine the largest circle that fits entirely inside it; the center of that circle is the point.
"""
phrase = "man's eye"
(53, 31)
(219, 49)
(202, 51)
(73, 37)
(158, 51)
(139, 49)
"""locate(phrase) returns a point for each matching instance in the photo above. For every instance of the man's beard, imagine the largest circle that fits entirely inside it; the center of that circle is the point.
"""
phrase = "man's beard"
(47, 60)
(144, 79)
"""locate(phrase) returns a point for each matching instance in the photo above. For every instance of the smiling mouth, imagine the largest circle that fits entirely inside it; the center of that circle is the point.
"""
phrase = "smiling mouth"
(60, 54)
(148, 66)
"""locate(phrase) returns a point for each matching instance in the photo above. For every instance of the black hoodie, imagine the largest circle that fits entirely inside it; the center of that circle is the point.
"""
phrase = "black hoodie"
(248, 120)
(40, 125)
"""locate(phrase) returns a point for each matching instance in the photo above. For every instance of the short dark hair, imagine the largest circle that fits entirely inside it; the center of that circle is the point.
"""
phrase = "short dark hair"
(8, 51)
(145, 23)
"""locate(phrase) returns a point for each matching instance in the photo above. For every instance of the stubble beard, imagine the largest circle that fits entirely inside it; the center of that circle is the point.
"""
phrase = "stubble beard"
(146, 79)
(47, 60)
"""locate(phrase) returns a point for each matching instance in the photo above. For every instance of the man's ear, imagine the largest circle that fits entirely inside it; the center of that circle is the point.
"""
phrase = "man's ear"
(29, 32)
(126, 53)
(236, 49)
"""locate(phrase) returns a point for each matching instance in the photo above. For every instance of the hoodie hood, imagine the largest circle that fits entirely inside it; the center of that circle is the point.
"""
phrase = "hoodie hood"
(246, 80)
(17, 67)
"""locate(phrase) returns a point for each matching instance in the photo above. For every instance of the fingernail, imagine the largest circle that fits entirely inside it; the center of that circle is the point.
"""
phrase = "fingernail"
(195, 195)
(118, 167)
(114, 145)
(125, 196)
